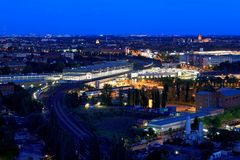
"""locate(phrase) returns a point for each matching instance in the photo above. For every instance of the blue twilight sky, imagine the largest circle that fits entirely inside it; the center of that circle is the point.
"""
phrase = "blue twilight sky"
(87, 17)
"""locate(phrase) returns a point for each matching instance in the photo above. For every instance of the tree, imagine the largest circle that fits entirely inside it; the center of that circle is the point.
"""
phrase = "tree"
(137, 139)
(137, 96)
(151, 132)
(2, 122)
(129, 99)
(164, 99)
(35, 120)
(232, 81)
(219, 81)
(178, 82)
(117, 149)
(202, 80)
(21, 101)
(156, 98)
(5, 70)
(83, 98)
(158, 155)
(59, 66)
(72, 100)
(27, 69)
(187, 90)
(107, 94)
(7, 144)
(195, 123)
(144, 98)
(121, 97)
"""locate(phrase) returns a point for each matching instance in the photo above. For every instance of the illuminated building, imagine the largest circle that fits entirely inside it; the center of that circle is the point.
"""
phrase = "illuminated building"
(210, 58)
(165, 72)
(74, 74)
(97, 71)
(200, 37)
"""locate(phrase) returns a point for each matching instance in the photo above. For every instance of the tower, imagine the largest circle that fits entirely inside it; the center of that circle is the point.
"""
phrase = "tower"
(188, 125)
(200, 129)
(200, 37)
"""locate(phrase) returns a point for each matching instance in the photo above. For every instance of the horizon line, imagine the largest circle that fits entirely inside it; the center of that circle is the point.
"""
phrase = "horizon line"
(117, 35)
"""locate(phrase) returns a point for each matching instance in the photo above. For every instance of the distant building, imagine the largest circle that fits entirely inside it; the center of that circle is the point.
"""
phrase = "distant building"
(200, 39)
(206, 99)
(68, 55)
(224, 97)
(209, 58)
(229, 97)
(112, 51)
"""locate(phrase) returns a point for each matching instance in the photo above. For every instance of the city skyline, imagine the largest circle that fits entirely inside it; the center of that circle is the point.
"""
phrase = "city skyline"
(119, 17)
(119, 79)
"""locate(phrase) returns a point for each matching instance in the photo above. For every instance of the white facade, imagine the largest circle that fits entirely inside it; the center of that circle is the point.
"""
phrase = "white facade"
(210, 58)
(165, 72)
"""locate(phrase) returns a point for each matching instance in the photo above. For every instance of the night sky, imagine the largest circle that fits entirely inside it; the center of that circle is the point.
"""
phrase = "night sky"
(120, 17)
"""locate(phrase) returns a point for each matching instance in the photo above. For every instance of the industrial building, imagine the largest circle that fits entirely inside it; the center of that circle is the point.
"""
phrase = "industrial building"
(224, 97)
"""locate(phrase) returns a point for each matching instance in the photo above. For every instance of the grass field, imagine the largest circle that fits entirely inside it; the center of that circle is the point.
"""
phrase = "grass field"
(110, 121)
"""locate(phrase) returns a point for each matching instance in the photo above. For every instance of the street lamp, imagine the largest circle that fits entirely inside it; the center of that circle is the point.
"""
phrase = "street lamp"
(87, 105)
(176, 152)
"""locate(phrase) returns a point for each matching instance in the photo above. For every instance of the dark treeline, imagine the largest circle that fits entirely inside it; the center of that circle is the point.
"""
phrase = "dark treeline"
(228, 67)
(32, 67)
(106, 95)
(8, 147)
(217, 82)
(5, 70)
(21, 101)
(141, 97)
(172, 91)
(72, 99)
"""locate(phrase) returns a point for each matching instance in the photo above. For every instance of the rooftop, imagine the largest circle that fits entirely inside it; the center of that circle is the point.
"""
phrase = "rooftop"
(203, 93)
(229, 91)
(103, 65)
(201, 113)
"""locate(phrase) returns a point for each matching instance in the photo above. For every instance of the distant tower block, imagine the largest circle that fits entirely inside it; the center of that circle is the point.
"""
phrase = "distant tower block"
(200, 129)
(188, 125)
(200, 37)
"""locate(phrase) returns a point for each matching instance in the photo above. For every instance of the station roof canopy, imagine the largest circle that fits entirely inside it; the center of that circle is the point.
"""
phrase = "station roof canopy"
(96, 67)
